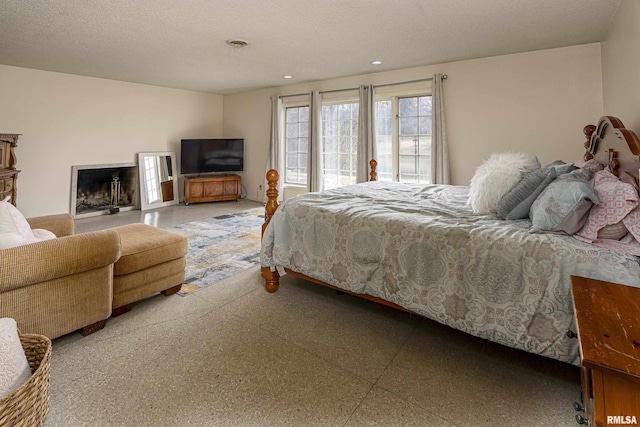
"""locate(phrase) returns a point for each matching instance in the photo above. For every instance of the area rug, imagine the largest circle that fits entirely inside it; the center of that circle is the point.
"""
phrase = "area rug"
(220, 247)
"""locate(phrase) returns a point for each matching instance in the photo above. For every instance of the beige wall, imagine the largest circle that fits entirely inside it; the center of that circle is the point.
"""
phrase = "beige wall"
(68, 120)
(537, 102)
(621, 66)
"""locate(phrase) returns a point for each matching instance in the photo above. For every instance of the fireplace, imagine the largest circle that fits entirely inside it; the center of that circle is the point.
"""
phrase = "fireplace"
(103, 189)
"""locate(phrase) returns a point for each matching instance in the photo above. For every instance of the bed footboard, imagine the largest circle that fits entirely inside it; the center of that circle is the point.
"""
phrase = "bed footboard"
(272, 278)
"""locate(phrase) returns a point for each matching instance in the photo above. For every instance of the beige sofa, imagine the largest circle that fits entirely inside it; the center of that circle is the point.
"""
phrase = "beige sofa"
(61, 285)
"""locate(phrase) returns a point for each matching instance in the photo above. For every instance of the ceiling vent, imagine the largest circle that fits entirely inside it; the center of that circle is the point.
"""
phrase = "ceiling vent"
(237, 43)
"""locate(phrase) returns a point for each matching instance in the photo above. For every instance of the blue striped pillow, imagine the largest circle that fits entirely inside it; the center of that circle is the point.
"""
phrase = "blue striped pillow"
(516, 203)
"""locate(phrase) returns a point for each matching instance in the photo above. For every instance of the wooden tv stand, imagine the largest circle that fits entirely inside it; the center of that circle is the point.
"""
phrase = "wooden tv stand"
(212, 188)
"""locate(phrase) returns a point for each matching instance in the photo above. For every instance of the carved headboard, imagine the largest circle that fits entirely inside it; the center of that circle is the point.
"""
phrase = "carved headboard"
(611, 144)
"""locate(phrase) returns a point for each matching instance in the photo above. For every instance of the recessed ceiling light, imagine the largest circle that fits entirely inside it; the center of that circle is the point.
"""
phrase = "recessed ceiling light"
(237, 43)
(287, 77)
(376, 62)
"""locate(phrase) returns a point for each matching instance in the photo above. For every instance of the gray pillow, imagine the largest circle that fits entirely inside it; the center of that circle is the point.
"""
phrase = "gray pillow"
(564, 205)
(561, 167)
(517, 202)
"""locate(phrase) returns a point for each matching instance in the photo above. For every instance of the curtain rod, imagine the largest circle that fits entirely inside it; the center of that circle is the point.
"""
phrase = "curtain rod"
(444, 77)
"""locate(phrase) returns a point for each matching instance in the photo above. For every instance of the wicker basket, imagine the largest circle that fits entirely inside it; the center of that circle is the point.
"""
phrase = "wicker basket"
(28, 405)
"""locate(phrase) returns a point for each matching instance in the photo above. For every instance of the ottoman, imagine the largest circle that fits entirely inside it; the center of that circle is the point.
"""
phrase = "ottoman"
(152, 260)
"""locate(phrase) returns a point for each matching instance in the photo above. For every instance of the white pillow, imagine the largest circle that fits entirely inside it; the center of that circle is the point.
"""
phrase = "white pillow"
(42, 234)
(496, 176)
(14, 367)
(15, 230)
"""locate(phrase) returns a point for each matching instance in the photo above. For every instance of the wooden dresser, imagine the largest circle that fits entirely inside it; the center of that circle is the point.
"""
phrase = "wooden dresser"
(608, 322)
(8, 171)
(212, 188)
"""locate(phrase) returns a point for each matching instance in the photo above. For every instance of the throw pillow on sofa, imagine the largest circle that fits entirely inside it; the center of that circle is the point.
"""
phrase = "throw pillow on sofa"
(15, 230)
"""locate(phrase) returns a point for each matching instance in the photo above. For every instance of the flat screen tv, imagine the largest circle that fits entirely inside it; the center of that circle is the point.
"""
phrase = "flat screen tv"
(198, 156)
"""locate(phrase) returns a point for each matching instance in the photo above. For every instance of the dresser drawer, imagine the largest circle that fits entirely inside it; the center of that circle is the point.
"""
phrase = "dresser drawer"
(8, 171)
(7, 188)
(7, 184)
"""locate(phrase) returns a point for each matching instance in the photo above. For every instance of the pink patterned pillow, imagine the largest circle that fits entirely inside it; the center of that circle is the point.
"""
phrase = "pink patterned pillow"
(632, 222)
(617, 199)
(592, 164)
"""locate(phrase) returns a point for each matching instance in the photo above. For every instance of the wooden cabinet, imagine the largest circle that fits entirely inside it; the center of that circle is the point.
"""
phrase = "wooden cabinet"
(212, 188)
(8, 171)
(608, 322)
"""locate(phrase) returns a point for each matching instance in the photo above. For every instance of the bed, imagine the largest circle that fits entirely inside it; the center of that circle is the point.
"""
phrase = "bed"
(425, 250)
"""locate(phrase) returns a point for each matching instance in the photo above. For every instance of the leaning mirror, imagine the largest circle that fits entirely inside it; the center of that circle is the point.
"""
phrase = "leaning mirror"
(158, 184)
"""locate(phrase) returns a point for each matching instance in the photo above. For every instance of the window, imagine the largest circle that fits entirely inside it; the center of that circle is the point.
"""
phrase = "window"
(403, 137)
(404, 144)
(339, 144)
(384, 142)
(415, 139)
(297, 144)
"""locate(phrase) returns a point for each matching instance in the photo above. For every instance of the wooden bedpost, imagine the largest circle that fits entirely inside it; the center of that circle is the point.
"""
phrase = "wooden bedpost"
(588, 131)
(271, 278)
(373, 175)
(272, 197)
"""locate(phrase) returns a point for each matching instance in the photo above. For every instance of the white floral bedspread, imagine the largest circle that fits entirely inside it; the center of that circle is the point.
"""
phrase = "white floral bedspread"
(422, 247)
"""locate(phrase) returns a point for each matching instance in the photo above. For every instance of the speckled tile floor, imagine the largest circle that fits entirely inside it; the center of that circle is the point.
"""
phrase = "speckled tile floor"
(165, 216)
(234, 355)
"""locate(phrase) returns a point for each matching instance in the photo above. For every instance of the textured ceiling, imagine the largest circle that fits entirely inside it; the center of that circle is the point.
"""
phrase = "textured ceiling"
(181, 43)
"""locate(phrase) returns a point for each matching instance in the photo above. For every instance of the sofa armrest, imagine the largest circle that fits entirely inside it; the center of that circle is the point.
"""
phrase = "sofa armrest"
(50, 259)
(60, 224)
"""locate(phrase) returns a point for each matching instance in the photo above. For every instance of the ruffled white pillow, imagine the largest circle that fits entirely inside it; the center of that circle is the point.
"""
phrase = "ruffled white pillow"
(496, 176)
(15, 230)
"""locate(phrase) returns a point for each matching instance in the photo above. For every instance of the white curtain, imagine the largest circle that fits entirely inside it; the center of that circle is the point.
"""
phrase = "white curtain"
(366, 133)
(439, 150)
(314, 156)
(275, 160)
